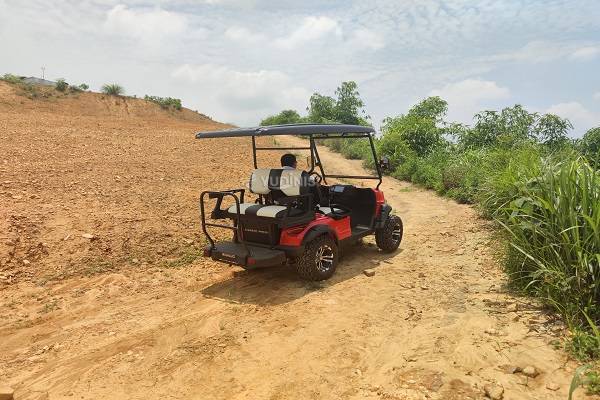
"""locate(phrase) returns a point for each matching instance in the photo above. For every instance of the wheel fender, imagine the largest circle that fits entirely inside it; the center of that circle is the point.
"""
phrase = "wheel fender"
(386, 209)
(318, 231)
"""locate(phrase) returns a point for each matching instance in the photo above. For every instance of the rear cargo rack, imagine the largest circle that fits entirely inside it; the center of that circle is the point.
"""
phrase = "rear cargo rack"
(216, 213)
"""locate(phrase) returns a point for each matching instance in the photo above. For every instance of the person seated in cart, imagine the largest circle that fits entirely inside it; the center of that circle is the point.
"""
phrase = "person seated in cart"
(288, 161)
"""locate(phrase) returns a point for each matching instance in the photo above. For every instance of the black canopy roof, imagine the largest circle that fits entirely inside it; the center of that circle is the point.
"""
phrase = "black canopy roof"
(290, 129)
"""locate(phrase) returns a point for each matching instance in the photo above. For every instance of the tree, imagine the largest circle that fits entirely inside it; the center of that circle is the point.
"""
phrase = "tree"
(552, 130)
(84, 86)
(590, 146)
(346, 108)
(284, 117)
(349, 106)
(433, 108)
(419, 129)
(509, 127)
(321, 109)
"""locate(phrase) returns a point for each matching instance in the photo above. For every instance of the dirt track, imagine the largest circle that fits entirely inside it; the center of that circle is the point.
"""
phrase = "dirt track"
(434, 322)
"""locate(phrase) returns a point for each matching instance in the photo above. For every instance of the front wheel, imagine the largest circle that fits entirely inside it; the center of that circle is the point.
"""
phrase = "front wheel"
(389, 237)
(319, 259)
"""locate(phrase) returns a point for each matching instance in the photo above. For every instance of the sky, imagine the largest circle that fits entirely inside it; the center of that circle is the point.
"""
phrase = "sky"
(239, 61)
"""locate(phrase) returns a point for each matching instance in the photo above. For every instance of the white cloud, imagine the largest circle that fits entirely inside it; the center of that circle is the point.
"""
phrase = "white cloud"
(367, 39)
(245, 96)
(243, 35)
(581, 118)
(312, 28)
(585, 53)
(144, 24)
(467, 97)
(536, 51)
(596, 96)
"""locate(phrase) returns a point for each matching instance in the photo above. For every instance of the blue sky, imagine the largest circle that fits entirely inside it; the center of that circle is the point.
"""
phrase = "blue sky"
(239, 61)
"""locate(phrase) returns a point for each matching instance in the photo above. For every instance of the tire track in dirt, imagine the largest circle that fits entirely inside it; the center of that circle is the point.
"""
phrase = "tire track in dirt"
(434, 322)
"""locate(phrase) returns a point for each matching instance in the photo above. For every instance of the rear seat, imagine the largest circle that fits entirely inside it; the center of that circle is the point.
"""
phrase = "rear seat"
(265, 181)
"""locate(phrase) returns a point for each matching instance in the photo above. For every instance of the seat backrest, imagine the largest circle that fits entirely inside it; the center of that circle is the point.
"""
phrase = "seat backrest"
(291, 182)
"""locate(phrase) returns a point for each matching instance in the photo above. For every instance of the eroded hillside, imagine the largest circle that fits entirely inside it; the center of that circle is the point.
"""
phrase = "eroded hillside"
(92, 183)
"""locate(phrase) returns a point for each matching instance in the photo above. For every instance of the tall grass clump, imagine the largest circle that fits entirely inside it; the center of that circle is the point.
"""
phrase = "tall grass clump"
(554, 239)
(112, 89)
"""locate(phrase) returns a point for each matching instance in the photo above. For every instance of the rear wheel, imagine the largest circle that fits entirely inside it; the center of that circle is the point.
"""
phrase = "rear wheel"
(389, 237)
(319, 259)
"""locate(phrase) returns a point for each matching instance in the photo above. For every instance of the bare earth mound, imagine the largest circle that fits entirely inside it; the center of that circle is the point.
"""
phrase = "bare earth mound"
(102, 294)
(92, 183)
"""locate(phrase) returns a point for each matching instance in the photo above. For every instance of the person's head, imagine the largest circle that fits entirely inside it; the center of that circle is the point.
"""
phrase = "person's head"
(288, 160)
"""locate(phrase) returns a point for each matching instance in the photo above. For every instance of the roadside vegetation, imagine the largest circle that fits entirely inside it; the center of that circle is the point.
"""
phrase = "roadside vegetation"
(168, 103)
(519, 168)
(63, 87)
(33, 91)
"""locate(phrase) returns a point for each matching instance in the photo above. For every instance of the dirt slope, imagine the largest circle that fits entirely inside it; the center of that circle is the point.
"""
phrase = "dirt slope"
(433, 323)
(120, 169)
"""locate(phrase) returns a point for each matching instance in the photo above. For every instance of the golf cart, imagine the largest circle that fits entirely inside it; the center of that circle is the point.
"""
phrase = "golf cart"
(297, 217)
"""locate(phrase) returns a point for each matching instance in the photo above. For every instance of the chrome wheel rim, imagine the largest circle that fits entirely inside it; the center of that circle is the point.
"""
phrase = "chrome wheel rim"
(324, 258)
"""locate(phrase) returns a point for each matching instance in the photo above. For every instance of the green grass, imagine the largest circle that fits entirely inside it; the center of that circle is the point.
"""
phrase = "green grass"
(553, 230)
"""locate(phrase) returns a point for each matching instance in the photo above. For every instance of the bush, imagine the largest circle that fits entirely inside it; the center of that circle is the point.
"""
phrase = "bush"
(165, 102)
(83, 86)
(10, 78)
(356, 148)
(61, 85)
(112, 89)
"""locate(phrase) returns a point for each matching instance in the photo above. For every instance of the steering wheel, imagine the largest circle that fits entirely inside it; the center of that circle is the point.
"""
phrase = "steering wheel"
(317, 178)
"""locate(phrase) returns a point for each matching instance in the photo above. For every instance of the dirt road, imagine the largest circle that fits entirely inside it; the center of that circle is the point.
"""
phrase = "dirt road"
(433, 323)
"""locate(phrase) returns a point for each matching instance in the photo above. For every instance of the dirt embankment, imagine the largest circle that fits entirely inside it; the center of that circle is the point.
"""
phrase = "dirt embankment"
(92, 183)
(433, 323)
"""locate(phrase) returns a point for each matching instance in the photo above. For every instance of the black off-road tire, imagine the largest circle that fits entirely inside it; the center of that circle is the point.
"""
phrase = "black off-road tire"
(389, 237)
(319, 259)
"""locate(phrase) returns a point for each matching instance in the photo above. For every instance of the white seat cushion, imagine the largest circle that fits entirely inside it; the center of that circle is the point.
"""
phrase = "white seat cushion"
(271, 211)
(243, 208)
(260, 210)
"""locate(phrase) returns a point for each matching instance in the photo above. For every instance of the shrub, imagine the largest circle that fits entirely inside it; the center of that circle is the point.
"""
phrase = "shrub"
(165, 102)
(113, 89)
(355, 149)
(83, 86)
(61, 85)
(10, 78)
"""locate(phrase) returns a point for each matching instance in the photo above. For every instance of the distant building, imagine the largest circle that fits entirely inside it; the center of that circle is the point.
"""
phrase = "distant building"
(37, 81)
